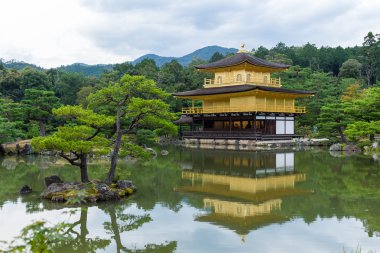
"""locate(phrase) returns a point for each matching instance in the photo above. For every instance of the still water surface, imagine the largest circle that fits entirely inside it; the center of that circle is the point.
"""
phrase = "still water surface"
(210, 201)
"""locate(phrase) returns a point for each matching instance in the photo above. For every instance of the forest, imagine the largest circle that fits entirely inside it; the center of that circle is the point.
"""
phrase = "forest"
(36, 102)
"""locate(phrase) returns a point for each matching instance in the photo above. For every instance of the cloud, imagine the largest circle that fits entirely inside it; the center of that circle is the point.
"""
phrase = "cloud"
(51, 33)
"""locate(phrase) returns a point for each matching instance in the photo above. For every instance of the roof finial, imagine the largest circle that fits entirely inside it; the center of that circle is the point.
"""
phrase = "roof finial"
(242, 50)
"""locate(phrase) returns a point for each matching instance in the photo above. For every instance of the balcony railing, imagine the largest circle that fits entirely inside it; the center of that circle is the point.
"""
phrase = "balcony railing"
(252, 108)
(212, 83)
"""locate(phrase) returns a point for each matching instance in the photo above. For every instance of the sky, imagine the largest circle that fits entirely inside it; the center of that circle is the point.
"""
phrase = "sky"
(51, 33)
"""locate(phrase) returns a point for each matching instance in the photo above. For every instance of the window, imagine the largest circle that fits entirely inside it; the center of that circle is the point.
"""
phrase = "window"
(248, 77)
(246, 124)
(236, 124)
(219, 79)
(238, 78)
(265, 79)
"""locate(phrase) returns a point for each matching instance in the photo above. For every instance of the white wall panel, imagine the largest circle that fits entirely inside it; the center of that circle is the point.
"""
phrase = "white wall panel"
(289, 127)
(280, 127)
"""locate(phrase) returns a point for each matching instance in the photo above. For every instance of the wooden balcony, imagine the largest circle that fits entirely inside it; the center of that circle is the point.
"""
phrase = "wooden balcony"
(212, 83)
(255, 108)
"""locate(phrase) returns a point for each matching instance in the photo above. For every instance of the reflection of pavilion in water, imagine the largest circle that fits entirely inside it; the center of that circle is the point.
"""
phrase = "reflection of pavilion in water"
(246, 187)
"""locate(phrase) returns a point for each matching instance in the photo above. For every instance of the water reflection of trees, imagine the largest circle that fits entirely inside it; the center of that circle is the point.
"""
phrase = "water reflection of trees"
(118, 223)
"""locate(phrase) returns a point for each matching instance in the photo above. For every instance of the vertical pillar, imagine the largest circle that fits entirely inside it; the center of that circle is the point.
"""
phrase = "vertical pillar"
(230, 123)
(275, 104)
(265, 103)
(192, 105)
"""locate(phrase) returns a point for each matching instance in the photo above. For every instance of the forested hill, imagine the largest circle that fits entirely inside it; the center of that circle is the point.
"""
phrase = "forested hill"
(201, 54)
(19, 65)
(87, 70)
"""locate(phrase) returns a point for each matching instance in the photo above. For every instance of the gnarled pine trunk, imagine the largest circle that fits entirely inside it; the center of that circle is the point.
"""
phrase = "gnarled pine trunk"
(116, 149)
(83, 168)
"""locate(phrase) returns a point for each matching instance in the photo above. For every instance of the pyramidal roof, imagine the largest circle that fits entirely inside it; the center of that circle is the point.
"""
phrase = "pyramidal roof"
(240, 58)
(239, 88)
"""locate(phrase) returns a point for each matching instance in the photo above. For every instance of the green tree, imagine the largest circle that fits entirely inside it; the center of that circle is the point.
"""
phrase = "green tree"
(39, 105)
(367, 106)
(370, 57)
(83, 93)
(147, 68)
(136, 103)
(68, 85)
(34, 79)
(10, 84)
(170, 76)
(362, 129)
(261, 52)
(12, 117)
(80, 137)
(333, 120)
(9, 131)
(216, 57)
(351, 69)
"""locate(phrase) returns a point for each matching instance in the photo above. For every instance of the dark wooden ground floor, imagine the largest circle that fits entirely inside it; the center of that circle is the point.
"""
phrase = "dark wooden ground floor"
(238, 126)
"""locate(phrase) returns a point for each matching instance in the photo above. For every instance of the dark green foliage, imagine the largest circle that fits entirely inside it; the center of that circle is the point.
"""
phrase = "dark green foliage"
(38, 106)
(86, 70)
(332, 121)
(34, 79)
(145, 137)
(351, 68)
(68, 86)
(216, 57)
(147, 68)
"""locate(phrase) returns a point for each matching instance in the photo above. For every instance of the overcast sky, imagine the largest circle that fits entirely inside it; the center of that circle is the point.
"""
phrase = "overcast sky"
(51, 33)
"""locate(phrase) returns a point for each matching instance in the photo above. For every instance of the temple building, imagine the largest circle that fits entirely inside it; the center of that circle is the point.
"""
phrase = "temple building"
(242, 101)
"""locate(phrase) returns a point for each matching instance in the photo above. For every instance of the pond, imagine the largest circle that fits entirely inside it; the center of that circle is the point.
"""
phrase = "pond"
(210, 201)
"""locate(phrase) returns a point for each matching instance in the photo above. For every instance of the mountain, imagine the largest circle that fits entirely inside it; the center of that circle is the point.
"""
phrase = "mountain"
(96, 70)
(13, 64)
(204, 54)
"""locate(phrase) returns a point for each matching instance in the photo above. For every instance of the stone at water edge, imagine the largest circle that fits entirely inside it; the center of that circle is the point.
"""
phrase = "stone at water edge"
(106, 193)
(164, 152)
(152, 151)
(52, 179)
(25, 190)
(352, 149)
(336, 147)
(56, 188)
(125, 185)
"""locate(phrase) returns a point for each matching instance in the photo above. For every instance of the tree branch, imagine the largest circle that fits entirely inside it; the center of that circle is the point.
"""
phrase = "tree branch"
(133, 123)
(94, 135)
(70, 160)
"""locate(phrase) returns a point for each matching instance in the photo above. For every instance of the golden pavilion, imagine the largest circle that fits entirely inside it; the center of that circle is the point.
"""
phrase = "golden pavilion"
(242, 101)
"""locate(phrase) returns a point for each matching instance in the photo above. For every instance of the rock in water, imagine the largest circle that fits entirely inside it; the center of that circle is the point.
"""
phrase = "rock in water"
(125, 184)
(352, 149)
(55, 188)
(25, 190)
(52, 179)
(164, 152)
(152, 151)
(106, 193)
(336, 147)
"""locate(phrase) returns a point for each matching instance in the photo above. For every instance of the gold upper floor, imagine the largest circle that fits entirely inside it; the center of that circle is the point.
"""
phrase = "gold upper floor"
(241, 75)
